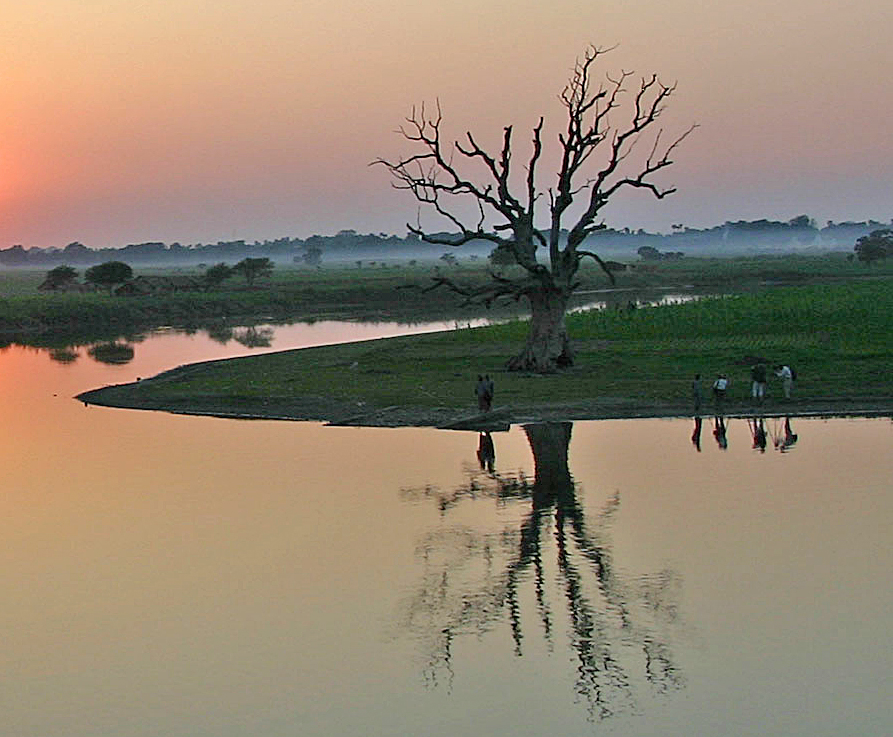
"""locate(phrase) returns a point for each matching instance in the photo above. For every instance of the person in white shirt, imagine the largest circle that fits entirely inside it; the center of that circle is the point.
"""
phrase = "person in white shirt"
(787, 379)
(719, 390)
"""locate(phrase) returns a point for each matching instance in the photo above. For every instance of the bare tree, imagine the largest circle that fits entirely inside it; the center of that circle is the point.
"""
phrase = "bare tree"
(604, 125)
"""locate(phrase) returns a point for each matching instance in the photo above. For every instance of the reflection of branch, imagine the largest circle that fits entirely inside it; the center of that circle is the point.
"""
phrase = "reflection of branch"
(472, 579)
(600, 679)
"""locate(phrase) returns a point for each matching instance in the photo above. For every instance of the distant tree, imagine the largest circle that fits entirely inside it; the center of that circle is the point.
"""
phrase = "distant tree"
(449, 259)
(312, 256)
(108, 274)
(218, 274)
(802, 221)
(875, 246)
(60, 276)
(500, 256)
(649, 253)
(252, 268)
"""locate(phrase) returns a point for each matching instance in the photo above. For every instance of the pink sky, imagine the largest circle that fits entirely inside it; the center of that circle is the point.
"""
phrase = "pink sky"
(200, 120)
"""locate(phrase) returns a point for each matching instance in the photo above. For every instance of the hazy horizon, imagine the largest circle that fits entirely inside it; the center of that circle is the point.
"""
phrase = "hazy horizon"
(199, 122)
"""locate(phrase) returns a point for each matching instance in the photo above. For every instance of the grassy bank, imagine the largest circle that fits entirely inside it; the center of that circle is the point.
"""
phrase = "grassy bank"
(629, 363)
(292, 295)
(372, 293)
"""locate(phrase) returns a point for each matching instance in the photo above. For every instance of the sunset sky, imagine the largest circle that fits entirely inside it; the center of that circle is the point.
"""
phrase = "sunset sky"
(200, 120)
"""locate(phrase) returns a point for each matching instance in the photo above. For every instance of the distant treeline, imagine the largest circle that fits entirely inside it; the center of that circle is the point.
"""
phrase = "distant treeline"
(729, 238)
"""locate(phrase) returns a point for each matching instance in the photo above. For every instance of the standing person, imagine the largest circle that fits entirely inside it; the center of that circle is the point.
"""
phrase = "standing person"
(697, 393)
(480, 391)
(489, 391)
(758, 379)
(787, 379)
(720, 386)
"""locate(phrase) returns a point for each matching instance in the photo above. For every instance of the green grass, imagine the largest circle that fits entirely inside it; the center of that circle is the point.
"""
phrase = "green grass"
(373, 292)
(839, 339)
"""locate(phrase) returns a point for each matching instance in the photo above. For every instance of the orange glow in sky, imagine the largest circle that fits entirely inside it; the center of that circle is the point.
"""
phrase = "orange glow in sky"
(197, 121)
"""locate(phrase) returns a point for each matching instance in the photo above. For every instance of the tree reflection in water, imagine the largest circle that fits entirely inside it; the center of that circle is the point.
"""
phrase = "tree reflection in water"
(113, 353)
(254, 337)
(618, 626)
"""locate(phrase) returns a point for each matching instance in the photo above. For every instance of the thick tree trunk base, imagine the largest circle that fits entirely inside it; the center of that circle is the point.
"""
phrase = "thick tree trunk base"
(548, 347)
(539, 363)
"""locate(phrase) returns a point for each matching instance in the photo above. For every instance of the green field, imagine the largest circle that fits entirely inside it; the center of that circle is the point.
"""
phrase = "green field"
(839, 338)
(371, 293)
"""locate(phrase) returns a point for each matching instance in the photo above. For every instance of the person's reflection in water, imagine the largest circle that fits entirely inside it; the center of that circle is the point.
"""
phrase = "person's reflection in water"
(719, 432)
(788, 438)
(758, 433)
(486, 452)
(696, 435)
(474, 580)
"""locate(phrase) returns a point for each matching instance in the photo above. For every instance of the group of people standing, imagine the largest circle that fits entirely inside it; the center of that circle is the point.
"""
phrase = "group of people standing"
(758, 376)
(758, 380)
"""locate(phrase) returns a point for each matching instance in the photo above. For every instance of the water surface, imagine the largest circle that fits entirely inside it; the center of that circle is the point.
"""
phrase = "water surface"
(183, 575)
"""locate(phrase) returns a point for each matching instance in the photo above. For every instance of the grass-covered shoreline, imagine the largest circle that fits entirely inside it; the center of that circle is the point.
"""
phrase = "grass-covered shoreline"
(372, 293)
(630, 363)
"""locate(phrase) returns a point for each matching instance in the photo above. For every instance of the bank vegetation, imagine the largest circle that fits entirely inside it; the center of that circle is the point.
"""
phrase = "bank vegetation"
(631, 362)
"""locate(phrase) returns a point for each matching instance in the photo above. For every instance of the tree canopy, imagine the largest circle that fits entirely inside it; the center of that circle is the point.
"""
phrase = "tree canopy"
(108, 274)
(61, 275)
(597, 158)
(217, 274)
(252, 268)
(875, 246)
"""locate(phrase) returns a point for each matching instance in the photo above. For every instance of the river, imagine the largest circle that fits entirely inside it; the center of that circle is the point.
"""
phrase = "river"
(177, 575)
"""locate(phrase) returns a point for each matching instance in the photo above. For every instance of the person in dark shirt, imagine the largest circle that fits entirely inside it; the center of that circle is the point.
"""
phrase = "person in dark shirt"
(758, 382)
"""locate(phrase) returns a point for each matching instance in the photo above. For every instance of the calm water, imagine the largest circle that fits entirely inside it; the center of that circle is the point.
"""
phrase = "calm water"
(170, 575)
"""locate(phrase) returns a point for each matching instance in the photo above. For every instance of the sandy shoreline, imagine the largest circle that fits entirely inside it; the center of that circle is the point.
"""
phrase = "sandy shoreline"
(339, 413)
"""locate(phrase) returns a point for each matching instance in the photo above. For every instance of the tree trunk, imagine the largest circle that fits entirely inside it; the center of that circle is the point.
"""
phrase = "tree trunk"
(547, 347)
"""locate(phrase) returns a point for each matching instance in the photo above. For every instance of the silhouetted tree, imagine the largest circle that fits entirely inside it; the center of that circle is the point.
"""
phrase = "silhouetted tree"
(252, 268)
(875, 246)
(60, 276)
(500, 256)
(601, 132)
(649, 253)
(108, 274)
(312, 256)
(217, 274)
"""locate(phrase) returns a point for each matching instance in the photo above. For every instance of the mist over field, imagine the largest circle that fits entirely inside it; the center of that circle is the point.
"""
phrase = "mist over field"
(798, 235)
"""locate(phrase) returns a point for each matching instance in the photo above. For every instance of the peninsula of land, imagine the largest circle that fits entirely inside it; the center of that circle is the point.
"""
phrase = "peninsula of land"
(629, 363)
